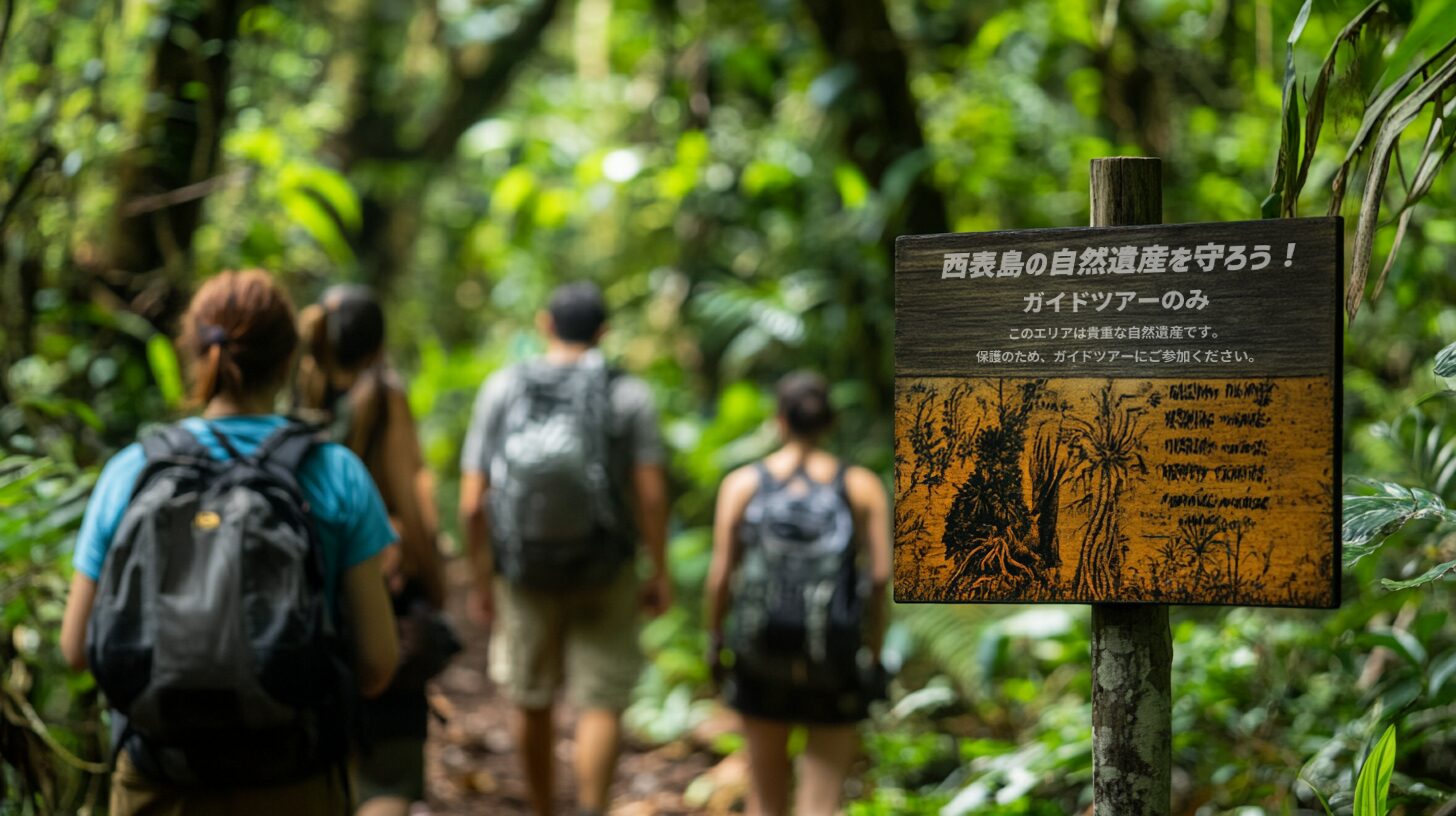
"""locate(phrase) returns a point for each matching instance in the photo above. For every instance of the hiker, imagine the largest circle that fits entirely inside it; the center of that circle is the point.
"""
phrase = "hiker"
(795, 536)
(215, 561)
(562, 475)
(344, 381)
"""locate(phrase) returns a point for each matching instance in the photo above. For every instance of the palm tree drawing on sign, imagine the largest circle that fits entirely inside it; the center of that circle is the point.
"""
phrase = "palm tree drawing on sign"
(1106, 451)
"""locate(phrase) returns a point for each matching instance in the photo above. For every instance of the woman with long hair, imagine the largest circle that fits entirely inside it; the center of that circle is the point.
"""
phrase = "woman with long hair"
(345, 380)
(800, 562)
(192, 542)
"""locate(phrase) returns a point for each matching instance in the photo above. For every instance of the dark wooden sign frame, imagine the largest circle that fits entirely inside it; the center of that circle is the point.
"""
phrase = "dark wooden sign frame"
(1240, 374)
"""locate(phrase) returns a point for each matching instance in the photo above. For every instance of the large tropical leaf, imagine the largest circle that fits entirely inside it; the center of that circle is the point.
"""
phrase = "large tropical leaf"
(1369, 519)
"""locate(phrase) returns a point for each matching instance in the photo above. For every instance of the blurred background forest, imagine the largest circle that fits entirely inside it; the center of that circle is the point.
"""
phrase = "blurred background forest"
(734, 173)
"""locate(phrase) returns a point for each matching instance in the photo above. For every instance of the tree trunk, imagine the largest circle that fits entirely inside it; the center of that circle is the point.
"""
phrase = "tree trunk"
(373, 142)
(882, 123)
(161, 185)
(881, 134)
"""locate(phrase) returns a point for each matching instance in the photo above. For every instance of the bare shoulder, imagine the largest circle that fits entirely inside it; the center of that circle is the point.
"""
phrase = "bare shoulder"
(864, 485)
(740, 482)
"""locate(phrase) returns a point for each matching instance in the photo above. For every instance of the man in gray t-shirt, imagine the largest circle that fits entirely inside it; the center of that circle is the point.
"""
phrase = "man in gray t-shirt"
(586, 637)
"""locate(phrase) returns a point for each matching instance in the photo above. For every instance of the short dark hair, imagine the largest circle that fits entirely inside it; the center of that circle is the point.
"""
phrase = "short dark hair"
(577, 312)
(354, 323)
(803, 398)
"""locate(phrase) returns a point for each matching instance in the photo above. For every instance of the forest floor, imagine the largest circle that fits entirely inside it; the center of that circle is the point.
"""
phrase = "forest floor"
(472, 767)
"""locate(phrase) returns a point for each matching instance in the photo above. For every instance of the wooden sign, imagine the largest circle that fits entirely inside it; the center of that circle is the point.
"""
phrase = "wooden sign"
(1119, 414)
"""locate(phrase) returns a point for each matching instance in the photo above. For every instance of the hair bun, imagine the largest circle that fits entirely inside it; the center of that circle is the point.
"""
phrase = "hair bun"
(804, 403)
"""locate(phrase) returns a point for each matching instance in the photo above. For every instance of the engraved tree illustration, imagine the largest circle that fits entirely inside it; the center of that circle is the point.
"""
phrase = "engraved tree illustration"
(937, 438)
(1106, 451)
(1048, 467)
(989, 527)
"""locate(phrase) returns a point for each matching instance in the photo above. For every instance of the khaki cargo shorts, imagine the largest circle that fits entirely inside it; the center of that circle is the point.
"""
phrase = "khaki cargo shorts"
(589, 635)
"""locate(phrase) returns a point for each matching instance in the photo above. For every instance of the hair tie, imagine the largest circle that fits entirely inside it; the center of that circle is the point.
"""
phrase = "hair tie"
(211, 335)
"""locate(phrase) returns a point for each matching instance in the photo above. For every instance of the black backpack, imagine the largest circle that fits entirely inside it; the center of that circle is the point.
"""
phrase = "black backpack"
(798, 603)
(210, 633)
(557, 521)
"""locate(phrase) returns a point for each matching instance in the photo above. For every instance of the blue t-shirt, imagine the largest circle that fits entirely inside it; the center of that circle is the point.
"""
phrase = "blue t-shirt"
(343, 501)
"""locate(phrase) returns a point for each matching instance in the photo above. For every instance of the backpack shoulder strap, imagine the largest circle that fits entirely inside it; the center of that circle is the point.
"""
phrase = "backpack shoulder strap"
(282, 453)
(172, 441)
(840, 480)
(766, 481)
(288, 446)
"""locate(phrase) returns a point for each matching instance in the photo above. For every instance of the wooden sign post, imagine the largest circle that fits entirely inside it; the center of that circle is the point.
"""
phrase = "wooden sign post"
(1132, 646)
(1127, 416)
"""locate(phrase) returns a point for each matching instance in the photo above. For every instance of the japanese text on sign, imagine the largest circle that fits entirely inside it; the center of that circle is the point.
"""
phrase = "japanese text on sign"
(1152, 259)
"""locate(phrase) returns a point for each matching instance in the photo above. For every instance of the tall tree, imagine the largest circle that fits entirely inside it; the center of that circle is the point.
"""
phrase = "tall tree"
(882, 136)
(881, 122)
(161, 185)
(375, 142)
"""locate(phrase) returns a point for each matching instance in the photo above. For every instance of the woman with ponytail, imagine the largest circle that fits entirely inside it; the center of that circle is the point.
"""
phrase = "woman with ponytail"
(233, 563)
(344, 380)
(801, 557)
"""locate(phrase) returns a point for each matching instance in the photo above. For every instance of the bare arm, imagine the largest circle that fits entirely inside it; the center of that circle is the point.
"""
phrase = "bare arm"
(733, 496)
(73, 624)
(867, 495)
(649, 483)
(474, 487)
(376, 647)
(413, 509)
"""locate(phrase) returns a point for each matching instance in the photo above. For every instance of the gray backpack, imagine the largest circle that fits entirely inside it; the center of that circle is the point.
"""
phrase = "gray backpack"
(210, 634)
(798, 601)
(557, 521)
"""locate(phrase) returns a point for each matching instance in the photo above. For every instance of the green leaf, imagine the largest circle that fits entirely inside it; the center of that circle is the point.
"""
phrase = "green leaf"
(1446, 361)
(1324, 803)
(1399, 641)
(1373, 785)
(1428, 437)
(1269, 208)
(1435, 21)
(512, 190)
(162, 358)
(1367, 520)
(1287, 166)
(853, 190)
(1426, 577)
(326, 183)
(1441, 671)
(1298, 28)
(305, 210)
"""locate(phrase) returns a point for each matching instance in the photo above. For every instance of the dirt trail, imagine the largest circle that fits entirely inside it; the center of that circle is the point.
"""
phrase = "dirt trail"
(471, 765)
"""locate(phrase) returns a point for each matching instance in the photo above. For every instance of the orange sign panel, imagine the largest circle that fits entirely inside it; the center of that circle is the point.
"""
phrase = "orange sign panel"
(1143, 454)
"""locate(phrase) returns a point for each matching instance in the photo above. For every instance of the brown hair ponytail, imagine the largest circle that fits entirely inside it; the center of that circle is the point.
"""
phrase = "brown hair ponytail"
(343, 334)
(237, 336)
(311, 388)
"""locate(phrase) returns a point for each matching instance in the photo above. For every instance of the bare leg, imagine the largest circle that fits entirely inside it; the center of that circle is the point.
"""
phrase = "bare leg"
(598, 738)
(533, 727)
(768, 766)
(384, 806)
(830, 751)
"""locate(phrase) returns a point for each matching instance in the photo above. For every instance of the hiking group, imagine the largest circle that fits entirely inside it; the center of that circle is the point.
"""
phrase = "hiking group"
(259, 593)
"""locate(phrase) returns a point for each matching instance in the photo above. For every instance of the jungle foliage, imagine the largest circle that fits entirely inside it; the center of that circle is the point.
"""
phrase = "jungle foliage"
(733, 173)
